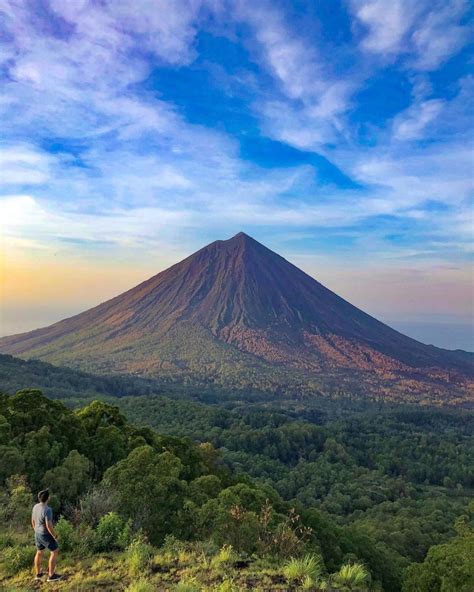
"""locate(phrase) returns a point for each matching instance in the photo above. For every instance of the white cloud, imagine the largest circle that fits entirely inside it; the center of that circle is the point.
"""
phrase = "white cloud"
(163, 27)
(427, 32)
(23, 165)
(313, 98)
(142, 170)
(440, 35)
(387, 23)
(411, 124)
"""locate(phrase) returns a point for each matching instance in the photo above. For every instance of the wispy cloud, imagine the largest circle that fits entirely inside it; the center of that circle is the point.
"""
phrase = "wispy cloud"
(411, 123)
(313, 97)
(386, 23)
(426, 33)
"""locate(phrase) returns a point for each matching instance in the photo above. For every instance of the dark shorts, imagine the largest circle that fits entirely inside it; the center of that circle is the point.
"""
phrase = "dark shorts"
(45, 541)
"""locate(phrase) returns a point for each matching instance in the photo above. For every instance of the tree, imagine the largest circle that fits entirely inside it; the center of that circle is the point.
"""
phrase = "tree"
(446, 568)
(11, 462)
(149, 490)
(41, 452)
(19, 500)
(70, 479)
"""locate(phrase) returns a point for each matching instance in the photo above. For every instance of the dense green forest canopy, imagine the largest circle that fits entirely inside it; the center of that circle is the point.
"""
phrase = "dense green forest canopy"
(386, 494)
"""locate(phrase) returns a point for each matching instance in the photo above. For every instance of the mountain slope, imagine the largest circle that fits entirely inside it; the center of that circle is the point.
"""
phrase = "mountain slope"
(235, 308)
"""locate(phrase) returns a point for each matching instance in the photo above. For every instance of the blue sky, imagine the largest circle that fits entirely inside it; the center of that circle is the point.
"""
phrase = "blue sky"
(338, 133)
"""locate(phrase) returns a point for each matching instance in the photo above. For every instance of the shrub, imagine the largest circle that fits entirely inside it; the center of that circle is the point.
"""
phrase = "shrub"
(112, 532)
(86, 541)
(283, 539)
(172, 545)
(303, 570)
(139, 556)
(18, 558)
(94, 504)
(20, 499)
(67, 534)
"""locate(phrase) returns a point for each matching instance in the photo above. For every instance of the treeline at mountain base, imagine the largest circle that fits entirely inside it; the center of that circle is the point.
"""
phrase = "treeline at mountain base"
(141, 511)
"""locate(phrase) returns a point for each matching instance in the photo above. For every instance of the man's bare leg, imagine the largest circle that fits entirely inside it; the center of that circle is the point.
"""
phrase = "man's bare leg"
(38, 558)
(52, 562)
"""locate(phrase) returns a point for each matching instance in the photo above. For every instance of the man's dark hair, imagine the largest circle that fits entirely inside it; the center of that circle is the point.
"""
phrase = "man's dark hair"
(43, 496)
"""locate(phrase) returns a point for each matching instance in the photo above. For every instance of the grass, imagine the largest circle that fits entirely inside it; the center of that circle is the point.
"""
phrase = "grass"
(191, 585)
(303, 571)
(184, 567)
(141, 586)
(139, 557)
(352, 576)
(225, 558)
(110, 573)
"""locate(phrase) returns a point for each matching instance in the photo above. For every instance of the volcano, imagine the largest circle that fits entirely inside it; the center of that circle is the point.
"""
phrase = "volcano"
(237, 314)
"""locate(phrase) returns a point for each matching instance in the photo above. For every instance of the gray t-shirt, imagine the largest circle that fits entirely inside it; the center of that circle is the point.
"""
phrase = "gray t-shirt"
(40, 514)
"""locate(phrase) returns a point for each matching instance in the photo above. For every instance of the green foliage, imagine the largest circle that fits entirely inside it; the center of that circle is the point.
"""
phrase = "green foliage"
(224, 558)
(446, 568)
(383, 491)
(19, 500)
(66, 383)
(6, 539)
(86, 541)
(11, 462)
(225, 586)
(188, 585)
(112, 532)
(70, 478)
(17, 558)
(67, 534)
(139, 555)
(149, 490)
(351, 576)
(382, 473)
(307, 569)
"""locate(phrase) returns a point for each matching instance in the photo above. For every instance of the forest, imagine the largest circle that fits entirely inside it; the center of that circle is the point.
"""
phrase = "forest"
(240, 496)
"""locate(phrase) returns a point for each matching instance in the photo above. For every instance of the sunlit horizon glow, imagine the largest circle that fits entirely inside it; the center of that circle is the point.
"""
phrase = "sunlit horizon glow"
(339, 134)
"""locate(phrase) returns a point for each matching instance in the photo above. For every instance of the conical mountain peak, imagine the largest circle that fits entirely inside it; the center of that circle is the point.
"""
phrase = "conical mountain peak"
(220, 311)
(242, 237)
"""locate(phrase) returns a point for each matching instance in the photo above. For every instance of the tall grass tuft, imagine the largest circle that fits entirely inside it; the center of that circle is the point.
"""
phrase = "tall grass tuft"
(139, 555)
(225, 557)
(352, 576)
(304, 570)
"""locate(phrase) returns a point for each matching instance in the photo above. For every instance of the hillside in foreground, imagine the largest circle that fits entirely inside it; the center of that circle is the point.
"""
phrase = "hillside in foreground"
(238, 315)
(200, 525)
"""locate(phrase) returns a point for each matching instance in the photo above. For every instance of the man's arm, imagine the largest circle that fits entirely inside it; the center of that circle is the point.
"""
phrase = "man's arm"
(49, 523)
(33, 522)
(49, 526)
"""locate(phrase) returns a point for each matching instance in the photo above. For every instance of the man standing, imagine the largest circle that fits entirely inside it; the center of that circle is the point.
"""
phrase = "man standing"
(45, 537)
